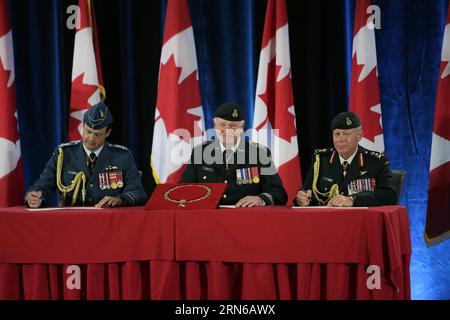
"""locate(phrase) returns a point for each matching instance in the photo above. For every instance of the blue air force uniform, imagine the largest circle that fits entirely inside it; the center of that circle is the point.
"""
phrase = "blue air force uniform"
(115, 174)
(81, 180)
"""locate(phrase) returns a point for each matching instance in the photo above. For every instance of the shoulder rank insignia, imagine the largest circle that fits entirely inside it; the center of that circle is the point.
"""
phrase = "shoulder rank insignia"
(117, 146)
(69, 144)
(324, 150)
(257, 145)
(378, 155)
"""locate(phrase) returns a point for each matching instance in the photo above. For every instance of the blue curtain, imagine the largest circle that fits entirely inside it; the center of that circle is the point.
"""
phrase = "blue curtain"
(41, 103)
(227, 52)
(409, 47)
(228, 36)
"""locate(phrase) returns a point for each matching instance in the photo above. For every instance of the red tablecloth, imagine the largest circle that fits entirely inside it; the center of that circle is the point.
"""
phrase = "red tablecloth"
(258, 253)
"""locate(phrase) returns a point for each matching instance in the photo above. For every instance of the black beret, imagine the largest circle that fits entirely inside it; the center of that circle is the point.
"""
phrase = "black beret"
(98, 116)
(345, 120)
(229, 111)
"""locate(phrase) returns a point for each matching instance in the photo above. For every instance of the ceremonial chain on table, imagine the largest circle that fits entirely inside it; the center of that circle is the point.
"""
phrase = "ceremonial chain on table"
(182, 202)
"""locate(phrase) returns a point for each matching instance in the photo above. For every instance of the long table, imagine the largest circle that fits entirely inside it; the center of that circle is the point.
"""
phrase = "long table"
(258, 253)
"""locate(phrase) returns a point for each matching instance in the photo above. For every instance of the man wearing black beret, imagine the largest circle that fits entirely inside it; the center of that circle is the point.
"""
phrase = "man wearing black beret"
(347, 175)
(90, 172)
(246, 167)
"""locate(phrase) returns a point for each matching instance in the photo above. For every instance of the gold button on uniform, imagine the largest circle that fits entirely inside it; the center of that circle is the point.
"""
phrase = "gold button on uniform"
(204, 177)
(226, 181)
(224, 196)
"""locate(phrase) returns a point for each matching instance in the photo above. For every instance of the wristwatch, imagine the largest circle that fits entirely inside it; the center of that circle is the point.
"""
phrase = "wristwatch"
(123, 198)
(354, 197)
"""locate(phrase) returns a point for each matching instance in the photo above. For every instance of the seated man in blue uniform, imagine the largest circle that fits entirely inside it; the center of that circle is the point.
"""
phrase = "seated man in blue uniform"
(246, 167)
(90, 172)
(347, 175)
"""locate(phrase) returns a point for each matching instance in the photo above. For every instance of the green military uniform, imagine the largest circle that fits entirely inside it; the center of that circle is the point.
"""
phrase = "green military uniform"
(368, 178)
(247, 168)
(244, 178)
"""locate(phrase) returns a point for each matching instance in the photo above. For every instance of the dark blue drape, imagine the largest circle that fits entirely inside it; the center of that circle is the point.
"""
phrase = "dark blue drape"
(227, 52)
(41, 102)
(228, 37)
(409, 52)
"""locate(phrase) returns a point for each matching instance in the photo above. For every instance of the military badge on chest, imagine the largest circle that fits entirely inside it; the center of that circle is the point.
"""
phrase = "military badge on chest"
(361, 185)
(110, 179)
(247, 175)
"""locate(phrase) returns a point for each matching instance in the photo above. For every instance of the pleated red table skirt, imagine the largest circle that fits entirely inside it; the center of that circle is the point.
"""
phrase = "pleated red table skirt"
(194, 280)
(307, 255)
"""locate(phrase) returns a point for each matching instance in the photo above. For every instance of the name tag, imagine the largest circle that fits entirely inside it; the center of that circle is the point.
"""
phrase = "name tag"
(327, 179)
(74, 173)
(208, 169)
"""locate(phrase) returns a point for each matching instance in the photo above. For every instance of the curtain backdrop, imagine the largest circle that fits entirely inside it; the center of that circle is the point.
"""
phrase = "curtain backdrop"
(228, 36)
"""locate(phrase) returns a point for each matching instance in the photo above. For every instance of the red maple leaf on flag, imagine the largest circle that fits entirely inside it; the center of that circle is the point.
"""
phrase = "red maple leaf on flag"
(174, 100)
(366, 95)
(443, 96)
(278, 97)
(8, 121)
(81, 92)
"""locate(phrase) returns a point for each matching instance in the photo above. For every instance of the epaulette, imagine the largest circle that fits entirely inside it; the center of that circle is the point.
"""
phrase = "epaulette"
(325, 150)
(118, 146)
(257, 145)
(375, 154)
(69, 144)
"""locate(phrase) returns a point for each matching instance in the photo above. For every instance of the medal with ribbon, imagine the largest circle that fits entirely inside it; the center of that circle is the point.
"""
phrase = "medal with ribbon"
(361, 185)
(247, 175)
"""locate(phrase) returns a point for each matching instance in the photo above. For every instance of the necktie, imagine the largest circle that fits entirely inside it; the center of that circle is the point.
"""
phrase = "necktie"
(344, 167)
(91, 161)
(228, 155)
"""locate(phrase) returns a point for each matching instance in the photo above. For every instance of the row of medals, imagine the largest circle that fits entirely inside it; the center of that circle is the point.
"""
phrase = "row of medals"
(113, 185)
(241, 181)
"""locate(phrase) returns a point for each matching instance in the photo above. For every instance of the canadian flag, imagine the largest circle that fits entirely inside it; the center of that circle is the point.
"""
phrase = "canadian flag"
(87, 81)
(179, 120)
(437, 226)
(11, 173)
(364, 89)
(274, 102)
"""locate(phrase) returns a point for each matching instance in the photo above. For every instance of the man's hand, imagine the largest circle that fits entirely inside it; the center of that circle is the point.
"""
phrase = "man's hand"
(340, 201)
(249, 201)
(109, 202)
(303, 198)
(34, 199)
